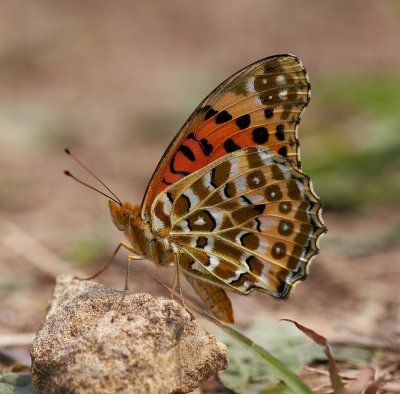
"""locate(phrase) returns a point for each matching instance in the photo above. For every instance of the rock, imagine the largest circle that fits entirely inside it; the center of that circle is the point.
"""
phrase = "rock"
(153, 346)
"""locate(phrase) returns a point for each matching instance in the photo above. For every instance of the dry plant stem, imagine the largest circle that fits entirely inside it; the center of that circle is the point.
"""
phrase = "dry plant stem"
(19, 241)
(365, 344)
(16, 339)
(174, 284)
(111, 259)
(178, 282)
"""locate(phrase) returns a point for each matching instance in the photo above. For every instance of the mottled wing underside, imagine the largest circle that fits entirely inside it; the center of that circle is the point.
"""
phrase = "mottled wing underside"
(260, 105)
(214, 297)
(248, 221)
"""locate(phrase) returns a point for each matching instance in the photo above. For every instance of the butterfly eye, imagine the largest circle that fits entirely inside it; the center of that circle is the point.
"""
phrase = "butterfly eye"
(125, 217)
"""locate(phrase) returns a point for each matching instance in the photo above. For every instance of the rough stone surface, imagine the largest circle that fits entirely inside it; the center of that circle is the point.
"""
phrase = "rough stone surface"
(153, 346)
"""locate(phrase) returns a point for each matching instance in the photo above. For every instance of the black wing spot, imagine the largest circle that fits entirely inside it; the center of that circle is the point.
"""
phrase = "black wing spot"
(260, 207)
(260, 135)
(187, 152)
(246, 200)
(230, 145)
(223, 117)
(278, 250)
(212, 183)
(280, 132)
(201, 242)
(250, 241)
(269, 112)
(206, 147)
(243, 122)
(285, 207)
(258, 225)
(210, 112)
(283, 151)
(229, 190)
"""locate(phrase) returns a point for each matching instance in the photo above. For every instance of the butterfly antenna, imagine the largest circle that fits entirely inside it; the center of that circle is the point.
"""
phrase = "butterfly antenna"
(66, 172)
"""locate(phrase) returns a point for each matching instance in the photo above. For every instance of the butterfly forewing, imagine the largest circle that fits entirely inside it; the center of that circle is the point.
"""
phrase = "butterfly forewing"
(247, 221)
(260, 105)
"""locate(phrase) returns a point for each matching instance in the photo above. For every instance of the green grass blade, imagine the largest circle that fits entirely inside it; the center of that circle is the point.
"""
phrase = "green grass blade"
(283, 373)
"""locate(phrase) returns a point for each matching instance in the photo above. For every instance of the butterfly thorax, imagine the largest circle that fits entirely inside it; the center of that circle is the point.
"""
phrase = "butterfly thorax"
(127, 218)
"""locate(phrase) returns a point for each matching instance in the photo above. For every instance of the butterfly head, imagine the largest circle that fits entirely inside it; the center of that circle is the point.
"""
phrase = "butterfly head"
(123, 215)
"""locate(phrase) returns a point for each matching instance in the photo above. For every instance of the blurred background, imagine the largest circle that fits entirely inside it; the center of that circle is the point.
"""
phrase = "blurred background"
(115, 81)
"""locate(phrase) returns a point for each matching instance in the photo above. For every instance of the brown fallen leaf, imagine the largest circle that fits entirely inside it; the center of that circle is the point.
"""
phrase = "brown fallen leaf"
(366, 377)
(336, 380)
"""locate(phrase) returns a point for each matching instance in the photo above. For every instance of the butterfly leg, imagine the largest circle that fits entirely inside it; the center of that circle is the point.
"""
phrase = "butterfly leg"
(111, 259)
(126, 288)
(174, 285)
(177, 285)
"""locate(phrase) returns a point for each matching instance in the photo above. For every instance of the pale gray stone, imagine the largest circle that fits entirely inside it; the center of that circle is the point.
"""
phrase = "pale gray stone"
(153, 346)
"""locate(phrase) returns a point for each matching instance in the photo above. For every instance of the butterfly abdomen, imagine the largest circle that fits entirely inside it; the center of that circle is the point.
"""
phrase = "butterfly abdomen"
(153, 247)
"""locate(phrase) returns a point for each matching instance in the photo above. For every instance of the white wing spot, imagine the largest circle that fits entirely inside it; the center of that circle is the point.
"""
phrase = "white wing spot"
(263, 246)
(234, 170)
(301, 188)
(285, 206)
(280, 79)
(265, 157)
(158, 223)
(200, 221)
(194, 200)
(183, 225)
(167, 204)
(255, 198)
(285, 171)
(283, 94)
(241, 185)
(196, 266)
(250, 85)
(207, 182)
(213, 262)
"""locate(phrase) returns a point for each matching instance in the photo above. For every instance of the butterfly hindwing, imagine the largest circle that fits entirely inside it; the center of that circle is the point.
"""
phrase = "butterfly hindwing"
(247, 221)
(213, 296)
(260, 105)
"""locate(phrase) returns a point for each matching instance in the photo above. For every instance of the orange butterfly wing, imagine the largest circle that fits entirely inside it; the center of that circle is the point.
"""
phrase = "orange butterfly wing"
(259, 105)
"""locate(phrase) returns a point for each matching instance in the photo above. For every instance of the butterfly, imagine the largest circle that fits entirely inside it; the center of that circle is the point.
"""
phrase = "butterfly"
(228, 203)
